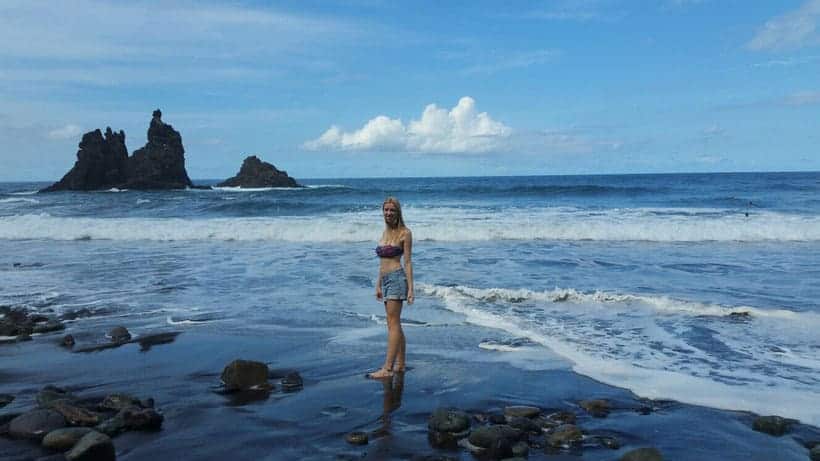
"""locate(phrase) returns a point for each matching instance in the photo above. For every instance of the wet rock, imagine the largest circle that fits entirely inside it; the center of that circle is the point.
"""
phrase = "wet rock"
(642, 454)
(92, 447)
(155, 339)
(48, 327)
(5, 399)
(357, 438)
(814, 454)
(147, 403)
(112, 426)
(67, 341)
(118, 402)
(65, 438)
(76, 416)
(446, 425)
(562, 417)
(520, 449)
(497, 418)
(292, 382)
(597, 407)
(36, 424)
(141, 419)
(23, 337)
(525, 424)
(119, 334)
(565, 436)
(522, 411)
(772, 425)
(608, 442)
(245, 374)
(50, 394)
(488, 436)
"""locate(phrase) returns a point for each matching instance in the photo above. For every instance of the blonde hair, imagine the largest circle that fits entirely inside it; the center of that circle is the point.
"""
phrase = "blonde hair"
(400, 219)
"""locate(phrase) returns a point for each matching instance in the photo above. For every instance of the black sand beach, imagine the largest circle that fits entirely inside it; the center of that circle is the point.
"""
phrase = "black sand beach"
(311, 423)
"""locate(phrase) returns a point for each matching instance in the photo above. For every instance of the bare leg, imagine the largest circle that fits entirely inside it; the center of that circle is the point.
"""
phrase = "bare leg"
(395, 338)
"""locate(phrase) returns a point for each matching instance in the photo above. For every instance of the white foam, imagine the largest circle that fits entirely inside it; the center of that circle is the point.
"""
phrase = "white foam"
(28, 192)
(434, 224)
(663, 348)
(19, 200)
(140, 201)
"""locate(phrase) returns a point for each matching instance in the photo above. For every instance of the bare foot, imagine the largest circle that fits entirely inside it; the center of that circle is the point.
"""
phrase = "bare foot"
(381, 373)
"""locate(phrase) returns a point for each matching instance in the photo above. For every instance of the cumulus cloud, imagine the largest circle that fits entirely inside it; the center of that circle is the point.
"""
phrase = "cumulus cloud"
(794, 29)
(462, 129)
(67, 132)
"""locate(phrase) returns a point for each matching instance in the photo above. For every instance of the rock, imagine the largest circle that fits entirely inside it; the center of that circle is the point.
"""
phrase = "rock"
(565, 436)
(609, 442)
(51, 394)
(119, 334)
(521, 411)
(76, 416)
(256, 173)
(147, 403)
(23, 337)
(160, 164)
(141, 419)
(446, 426)
(520, 449)
(35, 424)
(119, 402)
(92, 447)
(488, 436)
(48, 327)
(112, 426)
(245, 374)
(497, 418)
(772, 425)
(562, 417)
(642, 454)
(814, 454)
(65, 438)
(525, 424)
(597, 408)
(5, 399)
(103, 161)
(67, 341)
(292, 382)
(356, 438)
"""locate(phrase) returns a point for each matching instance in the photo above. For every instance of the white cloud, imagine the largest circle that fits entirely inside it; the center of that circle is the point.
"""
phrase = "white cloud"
(67, 132)
(794, 29)
(460, 130)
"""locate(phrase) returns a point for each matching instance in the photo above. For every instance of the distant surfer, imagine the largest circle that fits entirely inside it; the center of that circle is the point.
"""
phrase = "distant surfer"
(394, 284)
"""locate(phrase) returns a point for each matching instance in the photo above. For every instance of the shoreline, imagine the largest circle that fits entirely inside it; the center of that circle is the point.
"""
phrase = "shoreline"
(200, 423)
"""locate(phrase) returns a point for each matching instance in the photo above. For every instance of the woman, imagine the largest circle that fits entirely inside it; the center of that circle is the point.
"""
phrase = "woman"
(394, 284)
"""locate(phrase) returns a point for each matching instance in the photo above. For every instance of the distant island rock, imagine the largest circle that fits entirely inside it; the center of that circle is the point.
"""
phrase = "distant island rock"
(103, 161)
(256, 173)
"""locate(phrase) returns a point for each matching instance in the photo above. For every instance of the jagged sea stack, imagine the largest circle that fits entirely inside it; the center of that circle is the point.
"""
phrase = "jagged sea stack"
(101, 163)
(256, 173)
(160, 164)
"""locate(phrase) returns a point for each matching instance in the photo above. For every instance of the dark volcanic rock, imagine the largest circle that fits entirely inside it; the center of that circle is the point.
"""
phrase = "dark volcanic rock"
(773, 425)
(356, 438)
(65, 438)
(35, 424)
(256, 173)
(119, 334)
(92, 447)
(101, 163)
(245, 374)
(160, 164)
(5, 399)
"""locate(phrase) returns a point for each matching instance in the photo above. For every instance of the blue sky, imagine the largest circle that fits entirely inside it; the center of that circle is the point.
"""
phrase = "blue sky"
(379, 88)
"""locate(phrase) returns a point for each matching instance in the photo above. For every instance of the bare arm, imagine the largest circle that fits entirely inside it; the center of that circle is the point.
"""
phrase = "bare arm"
(408, 265)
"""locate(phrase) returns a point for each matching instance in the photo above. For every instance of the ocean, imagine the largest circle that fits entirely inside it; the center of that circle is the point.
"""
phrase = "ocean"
(701, 288)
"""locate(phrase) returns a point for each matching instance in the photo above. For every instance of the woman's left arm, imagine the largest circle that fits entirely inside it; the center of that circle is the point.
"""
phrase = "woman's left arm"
(408, 265)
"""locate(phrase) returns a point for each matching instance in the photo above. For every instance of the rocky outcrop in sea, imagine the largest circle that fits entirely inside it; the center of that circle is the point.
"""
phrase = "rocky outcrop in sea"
(103, 161)
(256, 173)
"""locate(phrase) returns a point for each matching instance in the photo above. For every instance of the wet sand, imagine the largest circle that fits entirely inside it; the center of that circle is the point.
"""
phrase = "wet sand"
(202, 423)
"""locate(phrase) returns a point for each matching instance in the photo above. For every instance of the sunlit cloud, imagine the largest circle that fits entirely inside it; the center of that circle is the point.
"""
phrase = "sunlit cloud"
(461, 130)
(66, 132)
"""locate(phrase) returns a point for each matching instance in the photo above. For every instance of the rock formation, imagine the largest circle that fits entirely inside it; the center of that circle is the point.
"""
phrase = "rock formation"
(256, 173)
(103, 162)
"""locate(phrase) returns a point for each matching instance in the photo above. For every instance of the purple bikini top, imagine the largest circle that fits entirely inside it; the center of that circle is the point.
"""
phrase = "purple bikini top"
(389, 251)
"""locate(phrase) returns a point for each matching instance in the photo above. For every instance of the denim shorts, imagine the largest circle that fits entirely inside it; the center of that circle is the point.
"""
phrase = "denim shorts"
(394, 285)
